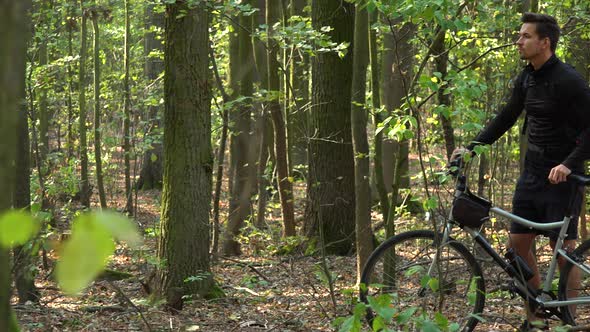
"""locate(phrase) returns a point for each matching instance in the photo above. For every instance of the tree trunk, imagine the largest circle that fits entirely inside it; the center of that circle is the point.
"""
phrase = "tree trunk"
(263, 125)
(220, 156)
(441, 59)
(239, 207)
(70, 135)
(377, 117)
(85, 190)
(23, 255)
(330, 189)
(127, 120)
(278, 121)
(13, 27)
(360, 142)
(188, 161)
(297, 118)
(97, 113)
(397, 69)
(150, 176)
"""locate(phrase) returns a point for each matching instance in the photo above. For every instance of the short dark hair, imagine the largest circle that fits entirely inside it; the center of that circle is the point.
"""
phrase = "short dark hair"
(546, 26)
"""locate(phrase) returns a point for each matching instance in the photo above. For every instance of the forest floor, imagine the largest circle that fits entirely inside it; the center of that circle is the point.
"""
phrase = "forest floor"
(263, 292)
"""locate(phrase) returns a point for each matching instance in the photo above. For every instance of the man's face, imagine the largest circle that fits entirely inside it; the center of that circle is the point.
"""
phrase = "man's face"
(529, 44)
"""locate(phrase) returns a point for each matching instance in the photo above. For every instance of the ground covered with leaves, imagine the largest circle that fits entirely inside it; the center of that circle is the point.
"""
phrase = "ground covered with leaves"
(268, 288)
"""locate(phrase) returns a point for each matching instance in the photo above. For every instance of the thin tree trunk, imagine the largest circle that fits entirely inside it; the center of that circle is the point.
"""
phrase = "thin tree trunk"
(377, 117)
(150, 176)
(297, 118)
(441, 58)
(240, 208)
(220, 156)
(280, 134)
(70, 135)
(84, 181)
(360, 142)
(97, 113)
(127, 120)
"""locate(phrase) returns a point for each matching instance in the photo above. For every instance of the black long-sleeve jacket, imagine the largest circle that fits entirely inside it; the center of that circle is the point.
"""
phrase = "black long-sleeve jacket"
(557, 103)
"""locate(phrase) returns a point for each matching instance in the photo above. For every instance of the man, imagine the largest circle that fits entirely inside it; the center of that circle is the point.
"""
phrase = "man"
(556, 100)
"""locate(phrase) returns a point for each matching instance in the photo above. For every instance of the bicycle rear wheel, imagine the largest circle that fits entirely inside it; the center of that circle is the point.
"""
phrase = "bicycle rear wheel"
(579, 286)
(397, 277)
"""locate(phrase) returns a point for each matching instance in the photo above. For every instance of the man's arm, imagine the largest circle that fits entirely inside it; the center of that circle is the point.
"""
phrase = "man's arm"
(579, 94)
(506, 117)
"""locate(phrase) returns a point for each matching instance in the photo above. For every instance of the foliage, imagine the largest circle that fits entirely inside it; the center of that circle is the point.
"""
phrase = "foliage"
(85, 254)
(410, 319)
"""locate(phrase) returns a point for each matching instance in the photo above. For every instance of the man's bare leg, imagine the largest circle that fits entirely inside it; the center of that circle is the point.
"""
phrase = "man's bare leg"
(523, 247)
(574, 278)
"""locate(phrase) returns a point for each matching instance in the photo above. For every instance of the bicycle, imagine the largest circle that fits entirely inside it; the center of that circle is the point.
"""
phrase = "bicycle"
(427, 272)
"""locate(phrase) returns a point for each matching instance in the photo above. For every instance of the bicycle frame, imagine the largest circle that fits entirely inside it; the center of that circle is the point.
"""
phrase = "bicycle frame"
(522, 287)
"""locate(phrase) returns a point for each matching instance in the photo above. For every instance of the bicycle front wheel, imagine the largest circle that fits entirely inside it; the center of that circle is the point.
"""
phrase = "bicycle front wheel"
(405, 277)
(574, 283)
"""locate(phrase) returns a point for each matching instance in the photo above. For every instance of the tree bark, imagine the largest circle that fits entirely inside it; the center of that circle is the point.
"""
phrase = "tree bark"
(12, 75)
(188, 162)
(239, 207)
(97, 113)
(278, 121)
(127, 120)
(150, 176)
(23, 255)
(330, 189)
(85, 190)
(441, 59)
(360, 142)
(297, 118)
(377, 118)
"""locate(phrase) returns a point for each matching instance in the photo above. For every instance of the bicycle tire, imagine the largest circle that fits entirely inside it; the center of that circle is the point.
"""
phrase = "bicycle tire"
(463, 282)
(581, 315)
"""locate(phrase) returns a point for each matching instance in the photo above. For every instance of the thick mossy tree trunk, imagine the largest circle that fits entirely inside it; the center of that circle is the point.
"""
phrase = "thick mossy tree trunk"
(278, 121)
(97, 112)
(360, 142)
(183, 246)
(330, 189)
(239, 205)
(13, 33)
(150, 176)
(84, 182)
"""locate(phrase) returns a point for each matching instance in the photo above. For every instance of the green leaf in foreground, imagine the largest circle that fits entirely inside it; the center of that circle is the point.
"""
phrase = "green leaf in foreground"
(16, 228)
(84, 255)
(119, 226)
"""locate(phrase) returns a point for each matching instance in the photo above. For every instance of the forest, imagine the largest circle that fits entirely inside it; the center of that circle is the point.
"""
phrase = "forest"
(230, 165)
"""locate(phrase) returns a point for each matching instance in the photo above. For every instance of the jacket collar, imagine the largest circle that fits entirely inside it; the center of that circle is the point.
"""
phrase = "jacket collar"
(545, 67)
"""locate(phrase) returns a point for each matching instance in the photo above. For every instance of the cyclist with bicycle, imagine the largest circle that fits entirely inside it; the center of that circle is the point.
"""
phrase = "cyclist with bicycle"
(557, 101)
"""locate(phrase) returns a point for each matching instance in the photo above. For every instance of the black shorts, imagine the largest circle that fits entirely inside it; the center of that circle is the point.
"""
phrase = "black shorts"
(536, 199)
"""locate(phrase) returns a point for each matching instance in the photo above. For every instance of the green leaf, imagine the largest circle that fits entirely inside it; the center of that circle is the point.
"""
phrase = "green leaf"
(84, 255)
(429, 326)
(405, 315)
(119, 227)
(16, 228)
(153, 157)
(441, 321)
(433, 284)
